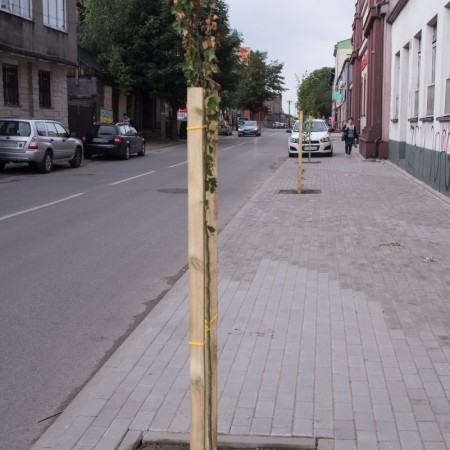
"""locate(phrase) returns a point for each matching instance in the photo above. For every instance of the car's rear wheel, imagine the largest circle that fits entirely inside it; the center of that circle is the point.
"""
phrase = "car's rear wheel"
(75, 162)
(142, 152)
(2, 165)
(126, 153)
(47, 163)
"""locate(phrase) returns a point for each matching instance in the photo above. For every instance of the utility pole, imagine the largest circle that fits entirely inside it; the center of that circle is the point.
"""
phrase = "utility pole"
(289, 102)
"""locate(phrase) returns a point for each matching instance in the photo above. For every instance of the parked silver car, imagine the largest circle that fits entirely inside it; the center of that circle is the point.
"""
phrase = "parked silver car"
(38, 142)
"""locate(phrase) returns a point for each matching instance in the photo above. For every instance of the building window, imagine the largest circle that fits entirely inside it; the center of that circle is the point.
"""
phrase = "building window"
(55, 13)
(10, 85)
(19, 7)
(396, 98)
(418, 50)
(44, 89)
(447, 98)
(363, 97)
(430, 89)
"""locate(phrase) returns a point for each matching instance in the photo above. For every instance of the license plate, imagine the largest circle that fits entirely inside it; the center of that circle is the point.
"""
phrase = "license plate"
(100, 140)
(11, 144)
(313, 148)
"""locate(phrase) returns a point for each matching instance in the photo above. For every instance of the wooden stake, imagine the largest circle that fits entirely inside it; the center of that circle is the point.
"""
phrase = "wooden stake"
(300, 153)
(196, 249)
(211, 315)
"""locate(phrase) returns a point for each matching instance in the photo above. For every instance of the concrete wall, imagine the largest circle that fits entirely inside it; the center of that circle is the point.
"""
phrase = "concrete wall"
(32, 37)
(29, 90)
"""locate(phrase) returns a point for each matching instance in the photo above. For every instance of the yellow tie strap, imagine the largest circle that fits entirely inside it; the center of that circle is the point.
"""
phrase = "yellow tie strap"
(198, 127)
(197, 344)
(208, 325)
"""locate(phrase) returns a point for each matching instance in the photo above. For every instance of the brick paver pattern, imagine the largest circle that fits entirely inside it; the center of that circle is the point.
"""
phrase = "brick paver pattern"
(334, 322)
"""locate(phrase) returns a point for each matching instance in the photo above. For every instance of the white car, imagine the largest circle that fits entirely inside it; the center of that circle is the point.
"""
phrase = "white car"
(320, 139)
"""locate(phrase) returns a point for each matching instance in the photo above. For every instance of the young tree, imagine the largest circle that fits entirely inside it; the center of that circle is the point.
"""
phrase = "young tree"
(314, 94)
(260, 81)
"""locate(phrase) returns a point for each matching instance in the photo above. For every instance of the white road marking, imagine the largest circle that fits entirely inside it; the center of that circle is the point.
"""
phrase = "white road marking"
(228, 148)
(180, 164)
(25, 211)
(132, 178)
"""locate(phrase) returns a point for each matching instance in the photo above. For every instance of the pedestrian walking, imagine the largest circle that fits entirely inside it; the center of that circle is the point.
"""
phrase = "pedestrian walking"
(349, 135)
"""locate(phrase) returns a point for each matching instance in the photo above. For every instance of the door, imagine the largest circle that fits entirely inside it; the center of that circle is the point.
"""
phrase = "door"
(67, 143)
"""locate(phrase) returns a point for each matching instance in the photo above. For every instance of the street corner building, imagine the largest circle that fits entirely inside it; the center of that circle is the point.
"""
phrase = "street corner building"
(37, 46)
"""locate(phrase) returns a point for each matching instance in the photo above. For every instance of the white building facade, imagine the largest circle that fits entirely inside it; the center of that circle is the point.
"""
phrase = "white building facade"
(420, 90)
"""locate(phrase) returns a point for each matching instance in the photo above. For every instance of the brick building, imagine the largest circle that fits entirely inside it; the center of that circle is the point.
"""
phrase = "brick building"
(371, 75)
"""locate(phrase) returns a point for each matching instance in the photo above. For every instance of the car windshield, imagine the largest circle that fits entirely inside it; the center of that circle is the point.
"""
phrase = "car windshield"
(316, 126)
(110, 130)
(250, 123)
(14, 128)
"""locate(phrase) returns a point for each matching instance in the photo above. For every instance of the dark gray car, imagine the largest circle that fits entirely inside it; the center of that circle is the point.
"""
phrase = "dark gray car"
(249, 128)
(120, 139)
(38, 142)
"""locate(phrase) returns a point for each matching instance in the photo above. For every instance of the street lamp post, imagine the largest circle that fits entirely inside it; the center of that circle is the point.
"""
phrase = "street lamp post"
(289, 118)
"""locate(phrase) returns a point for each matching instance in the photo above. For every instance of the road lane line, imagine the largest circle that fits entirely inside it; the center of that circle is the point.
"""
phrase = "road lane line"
(228, 148)
(25, 211)
(132, 178)
(180, 164)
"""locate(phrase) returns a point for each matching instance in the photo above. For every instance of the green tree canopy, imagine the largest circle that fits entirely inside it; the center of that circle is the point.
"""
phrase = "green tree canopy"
(260, 81)
(138, 43)
(314, 94)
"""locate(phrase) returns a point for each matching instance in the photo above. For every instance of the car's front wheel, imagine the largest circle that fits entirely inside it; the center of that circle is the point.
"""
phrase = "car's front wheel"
(2, 165)
(142, 151)
(47, 163)
(75, 162)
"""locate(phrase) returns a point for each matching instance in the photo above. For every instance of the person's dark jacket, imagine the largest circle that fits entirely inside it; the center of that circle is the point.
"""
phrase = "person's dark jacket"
(345, 131)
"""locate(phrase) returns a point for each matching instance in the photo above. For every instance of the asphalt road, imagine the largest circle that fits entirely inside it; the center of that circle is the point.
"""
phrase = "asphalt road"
(85, 254)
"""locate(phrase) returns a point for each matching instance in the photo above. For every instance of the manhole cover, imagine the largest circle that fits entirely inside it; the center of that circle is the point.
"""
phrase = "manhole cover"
(173, 191)
(304, 191)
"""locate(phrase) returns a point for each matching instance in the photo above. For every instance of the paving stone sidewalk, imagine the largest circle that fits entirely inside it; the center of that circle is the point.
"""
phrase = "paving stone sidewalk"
(334, 322)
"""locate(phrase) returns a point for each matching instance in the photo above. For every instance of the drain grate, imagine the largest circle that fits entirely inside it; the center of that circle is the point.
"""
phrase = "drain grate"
(304, 191)
(180, 441)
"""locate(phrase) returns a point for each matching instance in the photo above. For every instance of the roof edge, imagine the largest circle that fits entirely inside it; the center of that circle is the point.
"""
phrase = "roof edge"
(396, 11)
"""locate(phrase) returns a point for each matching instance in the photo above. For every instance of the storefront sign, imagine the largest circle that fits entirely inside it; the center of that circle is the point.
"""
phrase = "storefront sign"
(106, 115)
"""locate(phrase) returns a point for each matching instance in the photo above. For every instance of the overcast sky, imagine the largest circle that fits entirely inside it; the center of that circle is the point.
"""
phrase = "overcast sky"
(299, 33)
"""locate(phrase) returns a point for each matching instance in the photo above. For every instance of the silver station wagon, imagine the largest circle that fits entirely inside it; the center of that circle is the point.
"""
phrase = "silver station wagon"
(39, 143)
